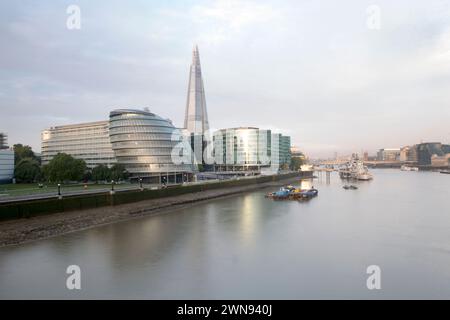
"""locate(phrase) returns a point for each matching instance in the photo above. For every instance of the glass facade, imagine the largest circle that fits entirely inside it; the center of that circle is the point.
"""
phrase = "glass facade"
(3, 141)
(248, 148)
(88, 141)
(144, 143)
(283, 144)
(6, 166)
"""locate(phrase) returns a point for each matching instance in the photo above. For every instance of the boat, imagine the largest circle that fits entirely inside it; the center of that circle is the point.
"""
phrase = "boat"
(311, 193)
(292, 193)
(408, 168)
(355, 169)
(281, 194)
(351, 187)
(445, 171)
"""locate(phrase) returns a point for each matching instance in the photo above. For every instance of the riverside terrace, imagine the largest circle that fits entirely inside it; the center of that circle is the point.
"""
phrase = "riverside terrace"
(16, 209)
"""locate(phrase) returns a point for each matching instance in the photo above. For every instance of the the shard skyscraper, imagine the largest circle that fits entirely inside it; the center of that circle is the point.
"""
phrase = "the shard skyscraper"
(196, 116)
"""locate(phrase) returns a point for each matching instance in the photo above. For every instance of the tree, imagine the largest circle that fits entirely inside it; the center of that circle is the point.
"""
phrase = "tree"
(101, 173)
(27, 170)
(296, 163)
(64, 167)
(22, 152)
(118, 172)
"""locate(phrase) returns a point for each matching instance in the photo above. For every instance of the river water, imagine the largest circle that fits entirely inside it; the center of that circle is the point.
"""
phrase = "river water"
(249, 247)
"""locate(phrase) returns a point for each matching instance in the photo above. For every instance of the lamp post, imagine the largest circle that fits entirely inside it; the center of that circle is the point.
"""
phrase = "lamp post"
(59, 191)
(140, 183)
(112, 187)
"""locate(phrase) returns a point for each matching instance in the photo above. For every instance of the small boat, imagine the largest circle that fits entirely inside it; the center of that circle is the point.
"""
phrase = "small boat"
(351, 187)
(445, 171)
(309, 193)
(408, 168)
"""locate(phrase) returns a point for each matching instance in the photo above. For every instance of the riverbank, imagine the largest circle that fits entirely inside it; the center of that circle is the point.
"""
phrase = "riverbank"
(20, 231)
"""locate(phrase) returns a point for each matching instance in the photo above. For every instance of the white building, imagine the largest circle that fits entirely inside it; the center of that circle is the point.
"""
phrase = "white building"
(87, 141)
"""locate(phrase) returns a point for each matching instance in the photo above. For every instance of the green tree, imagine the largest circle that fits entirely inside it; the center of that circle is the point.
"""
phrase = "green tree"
(100, 173)
(27, 170)
(296, 163)
(118, 172)
(64, 167)
(22, 152)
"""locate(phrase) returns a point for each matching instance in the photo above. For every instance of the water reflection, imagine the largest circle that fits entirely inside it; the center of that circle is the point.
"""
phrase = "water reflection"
(247, 246)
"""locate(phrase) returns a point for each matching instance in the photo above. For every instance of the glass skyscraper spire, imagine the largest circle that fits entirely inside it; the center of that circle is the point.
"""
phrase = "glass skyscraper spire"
(196, 117)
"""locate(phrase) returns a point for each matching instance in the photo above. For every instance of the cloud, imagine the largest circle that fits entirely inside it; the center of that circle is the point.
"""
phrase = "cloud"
(308, 68)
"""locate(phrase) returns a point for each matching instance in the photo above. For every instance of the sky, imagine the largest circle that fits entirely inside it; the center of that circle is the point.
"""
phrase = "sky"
(337, 76)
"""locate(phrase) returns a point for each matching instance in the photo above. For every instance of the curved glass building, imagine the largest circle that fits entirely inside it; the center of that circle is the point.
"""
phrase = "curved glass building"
(144, 143)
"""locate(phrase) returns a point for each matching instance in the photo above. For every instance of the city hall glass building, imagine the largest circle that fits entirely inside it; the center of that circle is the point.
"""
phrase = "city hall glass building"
(145, 144)
(87, 141)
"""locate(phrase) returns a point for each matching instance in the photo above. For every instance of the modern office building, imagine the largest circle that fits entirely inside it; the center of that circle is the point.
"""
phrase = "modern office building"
(6, 165)
(440, 161)
(6, 160)
(408, 154)
(284, 149)
(426, 150)
(196, 117)
(146, 144)
(250, 149)
(3, 141)
(87, 141)
(391, 154)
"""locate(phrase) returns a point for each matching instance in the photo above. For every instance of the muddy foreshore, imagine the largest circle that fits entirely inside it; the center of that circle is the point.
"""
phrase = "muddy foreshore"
(25, 230)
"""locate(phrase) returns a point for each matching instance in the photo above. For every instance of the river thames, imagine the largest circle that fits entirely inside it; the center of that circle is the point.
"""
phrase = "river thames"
(250, 247)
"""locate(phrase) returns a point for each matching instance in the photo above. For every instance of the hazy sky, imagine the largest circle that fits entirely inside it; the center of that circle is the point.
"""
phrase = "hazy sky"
(319, 71)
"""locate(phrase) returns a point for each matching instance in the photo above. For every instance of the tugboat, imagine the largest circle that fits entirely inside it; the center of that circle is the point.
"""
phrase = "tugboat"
(291, 193)
(281, 194)
(355, 169)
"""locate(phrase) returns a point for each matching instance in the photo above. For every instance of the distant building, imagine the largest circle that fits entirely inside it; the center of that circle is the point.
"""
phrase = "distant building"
(6, 165)
(404, 153)
(3, 141)
(412, 154)
(250, 149)
(297, 153)
(440, 161)
(365, 156)
(144, 143)
(425, 151)
(284, 149)
(391, 154)
(87, 141)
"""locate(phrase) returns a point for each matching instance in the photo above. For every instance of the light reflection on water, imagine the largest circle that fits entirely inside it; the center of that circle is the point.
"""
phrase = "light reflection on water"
(247, 246)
